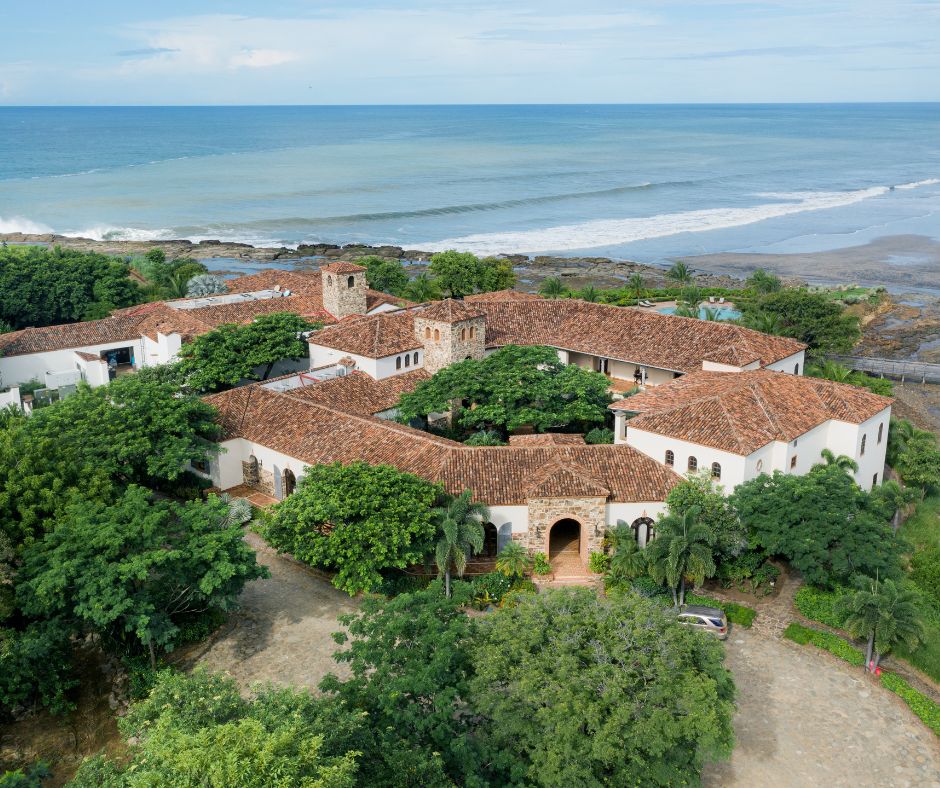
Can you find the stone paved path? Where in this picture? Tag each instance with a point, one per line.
(282, 633)
(807, 719)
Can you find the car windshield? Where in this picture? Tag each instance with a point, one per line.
(717, 622)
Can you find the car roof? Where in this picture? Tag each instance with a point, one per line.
(701, 610)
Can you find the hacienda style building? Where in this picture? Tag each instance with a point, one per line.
(713, 398)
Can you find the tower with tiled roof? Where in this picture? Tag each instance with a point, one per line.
(344, 289)
(450, 331)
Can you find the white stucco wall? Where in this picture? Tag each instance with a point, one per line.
(714, 366)
(386, 367)
(791, 364)
(655, 446)
(10, 398)
(321, 356)
(630, 512)
(15, 370)
(849, 438)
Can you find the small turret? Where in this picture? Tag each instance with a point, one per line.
(344, 289)
(450, 331)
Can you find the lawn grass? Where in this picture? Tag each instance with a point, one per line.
(922, 528)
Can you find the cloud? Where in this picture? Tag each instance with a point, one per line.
(808, 50)
(262, 58)
(145, 52)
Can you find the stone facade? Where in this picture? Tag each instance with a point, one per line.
(344, 293)
(259, 478)
(590, 513)
(447, 343)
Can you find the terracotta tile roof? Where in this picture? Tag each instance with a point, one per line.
(649, 338)
(449, 311)
(742, 411)
(315, 433)
(733, 356)
(502, 295)
(88, 356)
(376, 336)
(70, 335)
(342, 268)
(548, 439)
(359, 393)
(562, 478)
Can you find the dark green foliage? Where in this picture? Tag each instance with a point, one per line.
(462, 273)
(742, 615)
(763, 282)
(811, 318)
(826, 641)
(582, 690)
(513, 387)
(926, 708)
(411, 667)
(231, 353)
(830, 370)
(599, 435)
(749, 571)
(135, 430)
(821, 605)
(919, 463)
(485, 438)
(715, 513)
(358, 519)
(132, 570)
(383, 274)
(647, 587)
(35, 666)
(31, 778)
(42, 287)
(925, 572)
(822, 522)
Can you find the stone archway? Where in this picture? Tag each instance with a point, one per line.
(564, 547)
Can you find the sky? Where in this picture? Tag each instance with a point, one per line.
(468, 51)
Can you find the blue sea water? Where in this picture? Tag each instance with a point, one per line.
(640, 182)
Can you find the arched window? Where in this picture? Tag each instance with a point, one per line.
(881, 432)
(471, 332)
(329, 279)
(463, 333)
(796, 369)
(290, 482)
(643, 531)
(351, 282)
(427, 332)
(864, 439)
(716, 470)
(437, 334)
(415, 361)
(407, 360)
(670, 458)
(398, 363)
(693, 464)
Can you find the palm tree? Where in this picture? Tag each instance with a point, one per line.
(637, 285)
(709, 314)
(590, 294)
(847, 464)
(885, 614)
(177, 285)
(900, 433)
(830, 370)
(680, 274)
(422, 288)
(765, 322)
(681, 551)
(513, 560)
(461, 525)
(552, 287)
(628, 560)
(897, 499)
(762, 282)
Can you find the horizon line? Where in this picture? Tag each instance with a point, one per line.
(492, 104)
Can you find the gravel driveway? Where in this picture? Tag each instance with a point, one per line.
(282, 631)
(806, 719)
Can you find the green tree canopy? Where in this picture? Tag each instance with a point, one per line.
(384, 274)
(42, 287)
(821, 522)
(512, 387)
(230, 353)
(463, 273)
(682, 552)
(919, 463)
(809, 317)
(358, 519)
(138, 429)
(763, 282)
(582, 690)
(715, 513)
(132, 569)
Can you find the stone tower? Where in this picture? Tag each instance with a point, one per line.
(450, 331)
(344, 289)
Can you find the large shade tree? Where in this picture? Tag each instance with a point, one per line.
(586, 690)
(513, 387)
(358, 519)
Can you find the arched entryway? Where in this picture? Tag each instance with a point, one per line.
(564, 547)
(643, 530)
(290, 482)
(490, 541)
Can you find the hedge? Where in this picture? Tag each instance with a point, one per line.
(921, 705)
(819, 605)
(826, 641)
(737, 614)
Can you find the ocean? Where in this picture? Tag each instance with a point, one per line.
(648, 183)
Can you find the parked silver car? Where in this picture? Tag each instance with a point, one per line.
(705, 619)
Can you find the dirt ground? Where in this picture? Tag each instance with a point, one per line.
(282, 632)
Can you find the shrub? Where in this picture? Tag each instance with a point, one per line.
(826, 641)
(141, 677)
(599, 435)
(647, 587)
(600, 563)
(198, 627)
(541, 565)
(33, 777)
(485, 438)
(493, 584)
(395, 582)
(921, 705)
(819, 605)
(925, 572)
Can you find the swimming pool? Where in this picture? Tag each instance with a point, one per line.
(721, 312)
